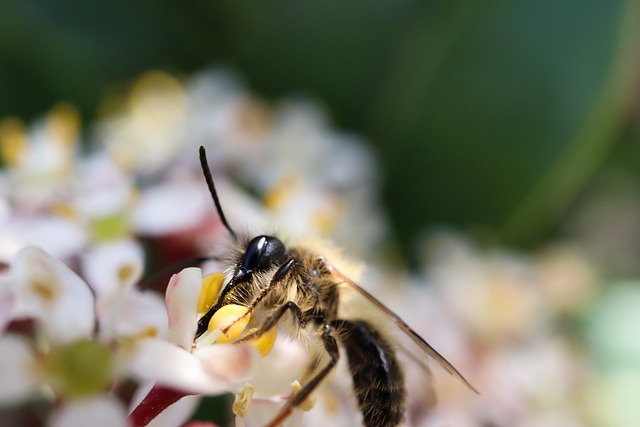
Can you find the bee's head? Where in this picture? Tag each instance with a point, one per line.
(262, 253)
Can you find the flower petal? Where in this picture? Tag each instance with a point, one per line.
(132, 314)
(173, 366)
(228, 362)
(181, 298)
(16, 369)
(113, 266)
(49, 291)
(102, 411)
(171, 208)
(60, 237)
(7, 302)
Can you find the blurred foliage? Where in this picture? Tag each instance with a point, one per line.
(488, 115)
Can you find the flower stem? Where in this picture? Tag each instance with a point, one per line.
(157, 400)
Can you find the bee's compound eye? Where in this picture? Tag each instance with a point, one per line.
(262, 253)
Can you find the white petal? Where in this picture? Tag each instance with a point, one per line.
(17, 369)
(181, 298)
(175, 415)
(129, 314)
(113, 266)
(171, 207)
(57, 297)
(57, 236)
(230, 362)
(173, 366)
(102, 411)
(286, 363)
(102, 187)
(7, 302)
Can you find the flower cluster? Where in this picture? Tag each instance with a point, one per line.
(85, 220)
(82, 219)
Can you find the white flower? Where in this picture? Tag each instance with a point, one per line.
(178, 363)
(40, 160)
(102, 411)
(17, 364)
(112, 270)
(59, 236)
(56, 297)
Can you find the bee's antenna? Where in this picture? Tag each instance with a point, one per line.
(212, 189)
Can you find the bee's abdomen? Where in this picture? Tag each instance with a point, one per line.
(377, 378)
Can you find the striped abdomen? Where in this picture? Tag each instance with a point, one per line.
(377, 378)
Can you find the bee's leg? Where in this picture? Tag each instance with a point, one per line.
(331, 346)
(272, 320)
(278, 277)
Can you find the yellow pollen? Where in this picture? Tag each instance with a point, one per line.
(125, 272)
(230, 321)
(243, 401)
(13, 141)
(211, 285)
(265, 342)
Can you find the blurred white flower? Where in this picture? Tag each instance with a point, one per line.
(48, 291)
(39, 161)
(101, 411)
(179, 363)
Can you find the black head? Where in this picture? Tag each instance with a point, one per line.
(262, 253)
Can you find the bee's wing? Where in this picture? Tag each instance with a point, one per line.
(417, 339)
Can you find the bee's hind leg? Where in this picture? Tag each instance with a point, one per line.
(331, 346)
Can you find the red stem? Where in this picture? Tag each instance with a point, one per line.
(157, 400)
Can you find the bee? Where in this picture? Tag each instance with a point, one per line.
(272, 280)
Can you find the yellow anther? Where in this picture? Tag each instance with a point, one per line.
(243, 401)
(265, 342)
(230, 321)
(278, 195)
(64, 210)
(125, 273)
(309, 402)
(63, 122)
(13, 141)
(211, 284)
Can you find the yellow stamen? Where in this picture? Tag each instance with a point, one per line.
(44, 289)
(309, 402)
(125, 272)
(265, 342)
(64, 210)
(158, 97)
(243, 401)
(230, 321)
(63, 122)
(211, 285)
(324, 222)
(278, 195)
(13, 141)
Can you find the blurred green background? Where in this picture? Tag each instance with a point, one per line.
(497, 117)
